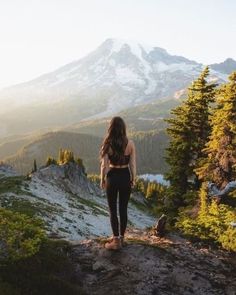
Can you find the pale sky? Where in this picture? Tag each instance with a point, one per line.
(38, 36)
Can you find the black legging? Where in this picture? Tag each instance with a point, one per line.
(118, 181)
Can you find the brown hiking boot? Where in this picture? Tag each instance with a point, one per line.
(122, 242)
(114, 244)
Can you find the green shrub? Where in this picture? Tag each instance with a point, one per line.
(212, 222)
(50, 271)
(20, 235)
(50, 161)
(94, 178)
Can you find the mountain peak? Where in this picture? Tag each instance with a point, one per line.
(136, 47)
(226, 67)
(229, 60)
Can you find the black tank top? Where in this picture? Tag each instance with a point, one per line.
(124, 160)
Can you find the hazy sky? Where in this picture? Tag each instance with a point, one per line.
(37, 36)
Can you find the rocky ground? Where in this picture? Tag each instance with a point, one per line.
(152, 265)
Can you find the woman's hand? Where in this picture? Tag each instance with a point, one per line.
(132, 183)
(102, 184)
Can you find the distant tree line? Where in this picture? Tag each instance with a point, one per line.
(65, 156)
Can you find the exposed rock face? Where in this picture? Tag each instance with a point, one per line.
(148, 265)
(70, 177)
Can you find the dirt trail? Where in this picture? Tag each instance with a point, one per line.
(150, 265)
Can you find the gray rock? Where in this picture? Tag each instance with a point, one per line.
(170, 266)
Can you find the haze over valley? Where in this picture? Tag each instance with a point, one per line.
(137, 82)
(116, 76)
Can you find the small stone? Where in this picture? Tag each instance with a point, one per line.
(97, 266)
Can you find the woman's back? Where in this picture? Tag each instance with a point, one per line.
(129, 158)
(122, 159)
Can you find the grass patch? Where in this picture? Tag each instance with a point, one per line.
(63, 230)
(15, 184)
(68, 220)
(141, 207)
(130, 223)
(12, 184)
(93, 205)
(26, 207)
(20, 205)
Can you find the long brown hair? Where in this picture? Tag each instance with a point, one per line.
(115, 140)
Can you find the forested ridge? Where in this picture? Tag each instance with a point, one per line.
(150, 149)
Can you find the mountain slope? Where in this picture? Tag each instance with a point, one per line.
(146, 117)
(83, 145)
(117, 75)
(119, 72)
(12, 144)
(72, 206)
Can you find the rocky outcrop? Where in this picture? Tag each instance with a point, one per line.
(7, 170)
(70, 177)
(149, 265)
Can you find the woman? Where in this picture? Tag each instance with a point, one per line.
(118, 172)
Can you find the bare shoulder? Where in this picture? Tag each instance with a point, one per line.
(131, 144)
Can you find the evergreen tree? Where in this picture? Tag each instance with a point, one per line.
(189, 129)
(203, 211)
(61, 156)
(201, 94)
(35, 166)
(149, 191)
(220, 163)
(65, 156)
(140, 186)
(68, 156)
(79, 161)
(178, 152)
(50, 161)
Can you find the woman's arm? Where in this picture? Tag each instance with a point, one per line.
(104, 170)
(132, 162)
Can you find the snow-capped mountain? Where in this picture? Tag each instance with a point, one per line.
(117, 75)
